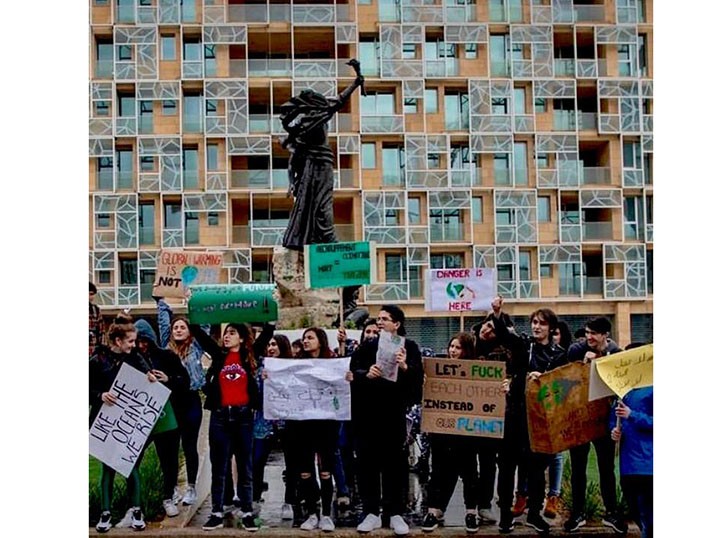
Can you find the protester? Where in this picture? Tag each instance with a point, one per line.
(454, 456)
(174, 335)
(97, 324)
(232, 396)
(634, 435)
(297, 347)
(103, 368)
(596, 344)
(379, 414)
(167, 368)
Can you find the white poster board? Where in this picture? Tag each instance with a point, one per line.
(307, 389)
(460, 290)
(388, 346)
(120, 431)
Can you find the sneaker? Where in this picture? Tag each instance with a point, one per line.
(430, 522)
(506, 525)
(190, 496)
(551, 506)
(311, 523)
(138, 523)
(486, 516)
(521, 503)
(399, 526)
(170, 508)
(287, 512)
(215, 521)
(126, 521)
(574, 523)
(615, 523)
(248, 521)
(370, 523)
(103, 525)
(176, 496)
(538, 523)
(326, 524)
(471, 523)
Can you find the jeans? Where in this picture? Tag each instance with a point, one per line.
(189, 420)
(605, 450)
(639, 495)
(555, 474)
(231, 432)
(344, 472)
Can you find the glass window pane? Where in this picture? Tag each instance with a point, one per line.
(431, 100)
(190, 167)
(169, 107)
(192, 51)
(368, 155)
(477, 207)
(212, 157)
(524, 265)
(169, 51)
(128, 272)
(173, 216)
(414, 211)
(519, 100)
(543, 209)
(520, 157)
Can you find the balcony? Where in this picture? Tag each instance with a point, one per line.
(262, 236)
(260, 123)
(240, 234)
(587, 121)
(237, 68)
(345, 179)
(262, 67)
(564, 120)
(592, 285)
(387, 292)
(321, 14)
(259, 13)
(388, 12)
(459, 14)
(570, 233)
(589, 13)
(447, 233)
(595, 176)
(192, 69)
(124, 179)
(499, 68)
(385, 235)
(591, 68)
(382, 124)
(564, 67)
(251, 179)
(315, 68)
(104, 68)
(445, 67)
(597, 231)
(345, 232)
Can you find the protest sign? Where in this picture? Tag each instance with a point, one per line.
(621, 372)
(460, 290)
(238, 303)
(560, 416)
(120, 431)
(388, 346)
(307, 389)
(338, 265)
(177, 270)
(463, 397)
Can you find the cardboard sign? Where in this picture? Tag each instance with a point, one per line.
(307, 389)
(177, 270)
(120, 431)
(560, 415)
(238, 303)
(622, 372)
(463, 397)
(337, 265)
(460, 290)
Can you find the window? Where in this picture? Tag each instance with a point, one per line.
(369, 55)
(212, 218)
(377, 104)
(169, 107)
(104, 277)
(471, 51)
(433, 161)
(642, 54)
(498, 44)
(543, 161)
(633, 217)
(650, 264)
(410, 106)
(210, 61)
(543, 208)
(105, 58)
(446, 225)
(213, 157)
(172, 216)
(503, 217)
(541, 105)
(430, 98)
(524, 265)
(395, 265)
(414, 210)
(104, 173)
(393, 165)
(477, 208)
(126, 105)
(192, 50)
(457, 111)
(188, 10)
(546, 270)
(211, 107)
(145, 220)
(520, 164)
(125, 168)
(501, 169)
(145, 117)
(128, 272)
(519, 101)
(190, 167)
(192, 113)
(505, 272)
(147, 164)
(624, 60)
(124, 52)
(191, 228)
(446, 261)
(631, 155)
(102, 108)
(439, 49)
(169, 49)
(570, 276)
(103, 220)
(499, 106)
(368, 155)
(409, 51)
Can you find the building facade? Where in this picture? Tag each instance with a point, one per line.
(514, 134)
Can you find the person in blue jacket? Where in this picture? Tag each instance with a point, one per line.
(634, 434)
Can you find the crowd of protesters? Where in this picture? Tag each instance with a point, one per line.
(363, 463)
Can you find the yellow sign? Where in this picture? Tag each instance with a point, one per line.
(627, 370)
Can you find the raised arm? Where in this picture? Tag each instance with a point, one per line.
(164, 317)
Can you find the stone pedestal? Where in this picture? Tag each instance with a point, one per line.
(299, 307)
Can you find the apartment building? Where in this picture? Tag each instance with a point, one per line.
(514, 134)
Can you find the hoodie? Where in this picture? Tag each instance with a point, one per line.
(166, 361)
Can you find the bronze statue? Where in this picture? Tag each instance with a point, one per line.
(305, 118)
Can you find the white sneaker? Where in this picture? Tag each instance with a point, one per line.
(176, 496)
(326, 524)
(170, 508)
(190, 496)
(104, 524)
(287, 512)
(311, 523)
(370, 523)
(126, 521)
(138, 523)
(399, 526)
(486, 516)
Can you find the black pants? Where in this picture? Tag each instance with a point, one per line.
(381, 471)
(605, 450)
(453, 456)
(512, 451)
(167, 445)
(189, 418)
(638, 492)
(318, 438)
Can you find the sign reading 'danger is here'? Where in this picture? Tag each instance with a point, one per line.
(460, 290)
(177, 270)
(120, 431)
(463, 397)
(337, 265)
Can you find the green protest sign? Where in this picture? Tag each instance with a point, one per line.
(337, 265)
(224, 303)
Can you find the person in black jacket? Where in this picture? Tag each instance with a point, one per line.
(596, 344)
(379, 414)
(104, 365)
(232, 396)
(167, 368)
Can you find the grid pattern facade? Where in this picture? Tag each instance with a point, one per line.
(514, 134)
